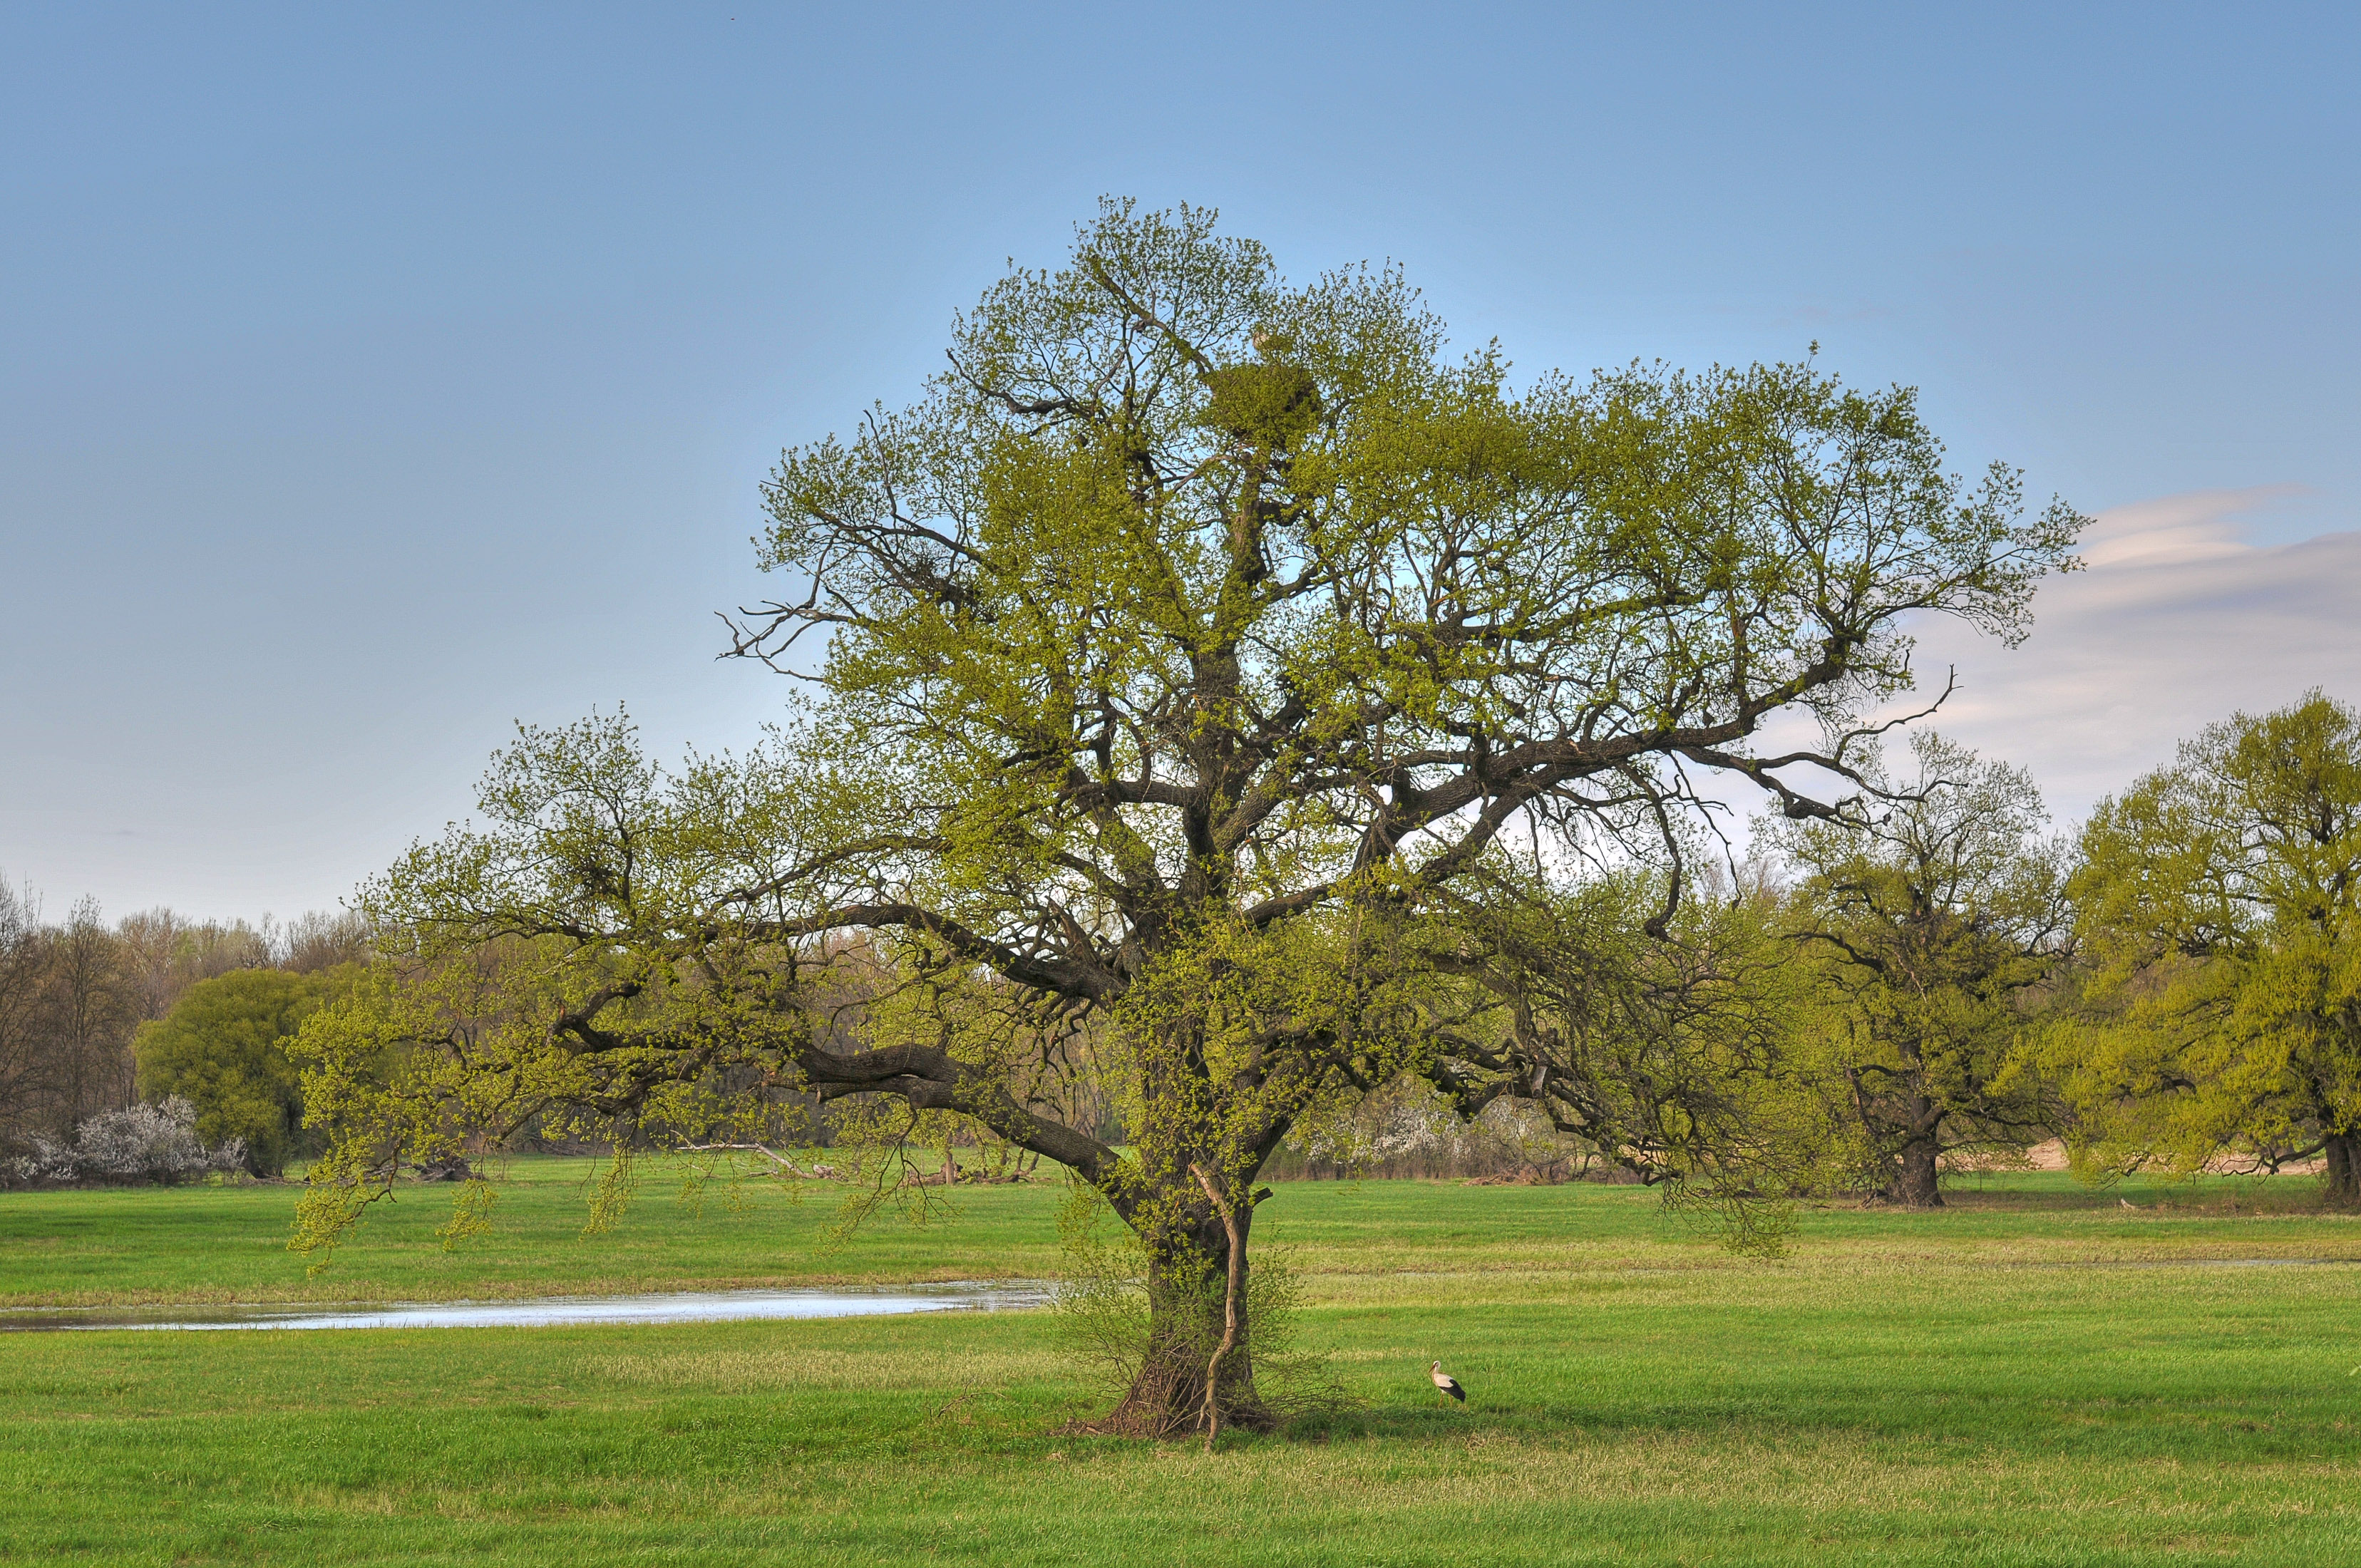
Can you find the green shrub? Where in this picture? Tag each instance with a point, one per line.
(221, 1048)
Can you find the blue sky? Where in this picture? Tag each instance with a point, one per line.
(372, 378)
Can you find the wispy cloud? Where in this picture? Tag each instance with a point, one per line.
(2177, 622)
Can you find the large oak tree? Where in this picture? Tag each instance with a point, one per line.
(1171, 668)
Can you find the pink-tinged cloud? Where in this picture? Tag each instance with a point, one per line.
(2176, 622)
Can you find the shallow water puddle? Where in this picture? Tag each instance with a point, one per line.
(677, 1307)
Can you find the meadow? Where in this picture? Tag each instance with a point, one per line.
(2034, 1375)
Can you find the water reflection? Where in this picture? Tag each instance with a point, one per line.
(677, 1307)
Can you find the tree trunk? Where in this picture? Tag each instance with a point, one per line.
(1186, 1292)
(1914, 1181)
(2344, 1176)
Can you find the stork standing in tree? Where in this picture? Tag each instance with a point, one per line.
(1446, 1384)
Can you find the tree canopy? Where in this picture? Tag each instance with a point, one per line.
(223, 1049)
(1182, 676)
(2222, 901)
(1936, 921)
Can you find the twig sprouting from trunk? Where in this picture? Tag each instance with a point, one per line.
(1229, 1304)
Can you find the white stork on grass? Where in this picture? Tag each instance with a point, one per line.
(1445, 1385)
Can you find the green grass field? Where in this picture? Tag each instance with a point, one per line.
(2034, 1376)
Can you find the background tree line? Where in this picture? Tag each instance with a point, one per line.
(2173, 988)
(98, 1018)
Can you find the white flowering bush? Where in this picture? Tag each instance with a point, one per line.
(146, 1143)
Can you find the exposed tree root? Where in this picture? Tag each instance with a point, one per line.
(1173, 1405)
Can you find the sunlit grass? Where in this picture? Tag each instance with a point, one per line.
(214, 1245)
(2036, 1375)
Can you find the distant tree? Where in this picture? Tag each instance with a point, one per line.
(152, 940)
(28, 1068)
(2221, 899)
(1178, 653)
(166, 953)
(319, 940)
(1935, 924)
(88, 1007)
(222, 1047)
